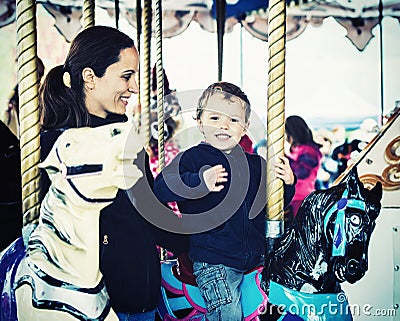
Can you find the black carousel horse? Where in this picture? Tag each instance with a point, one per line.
(327, 244)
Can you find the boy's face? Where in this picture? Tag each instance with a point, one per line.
(223, 122)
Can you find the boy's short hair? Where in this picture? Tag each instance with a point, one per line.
(229, 91)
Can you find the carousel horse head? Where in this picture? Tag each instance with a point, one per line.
(328, 241)
(326, 245)
(348, 225)
(94, 162)
(57, 276)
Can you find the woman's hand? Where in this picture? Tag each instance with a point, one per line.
(284, 171)
(214, 176)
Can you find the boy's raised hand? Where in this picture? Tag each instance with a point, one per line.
(214, 176)
(284, 171)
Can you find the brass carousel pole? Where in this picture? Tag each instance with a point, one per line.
(160, 97)
(28, 113)
(88, 13)
(146, 68)
(275, 116)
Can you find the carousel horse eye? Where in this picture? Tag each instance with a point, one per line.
(355, 220)
(67, 145)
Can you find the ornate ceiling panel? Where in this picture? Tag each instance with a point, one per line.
(358, 17)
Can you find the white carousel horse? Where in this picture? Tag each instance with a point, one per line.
(57, 276)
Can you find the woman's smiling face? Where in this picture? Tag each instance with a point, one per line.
(110, 93)
(222, 122)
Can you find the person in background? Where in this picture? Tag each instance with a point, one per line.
(246, 144)
(92, 89)
(172, 111)
(368, 129)
(328, 171)
(10, 169)
(202, 178)
(10, 187)
(11, 115)
(304, 157)
(342, 153)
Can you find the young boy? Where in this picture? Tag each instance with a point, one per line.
(219, 181)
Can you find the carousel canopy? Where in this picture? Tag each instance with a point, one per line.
(358, 17)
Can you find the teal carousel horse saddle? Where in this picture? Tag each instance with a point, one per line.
(182, 300)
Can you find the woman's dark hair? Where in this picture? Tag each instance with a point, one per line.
(96, 47)
(297, 128)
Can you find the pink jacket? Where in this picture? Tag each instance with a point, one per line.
(305, 160)
(170, 151)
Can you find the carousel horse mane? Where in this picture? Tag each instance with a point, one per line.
(327, 244)
(57, 276)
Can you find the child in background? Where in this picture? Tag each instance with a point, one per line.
(218, 177)
(172, 110)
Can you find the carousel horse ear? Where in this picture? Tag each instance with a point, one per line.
(375, 196)
(377, 191)
(358, 191)
(355, 187)
(52, 164)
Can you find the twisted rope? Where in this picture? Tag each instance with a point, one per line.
(275, 113)
(160, 87)
(160, 98)
(145, 95)
(136, 119)
(88, 13)
(29, 112)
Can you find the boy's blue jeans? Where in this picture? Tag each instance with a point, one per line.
(144, 316)
(219, 286)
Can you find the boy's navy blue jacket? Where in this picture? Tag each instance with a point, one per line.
(232, 231)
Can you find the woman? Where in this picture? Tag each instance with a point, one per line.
(92, 88)
(304, 156)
